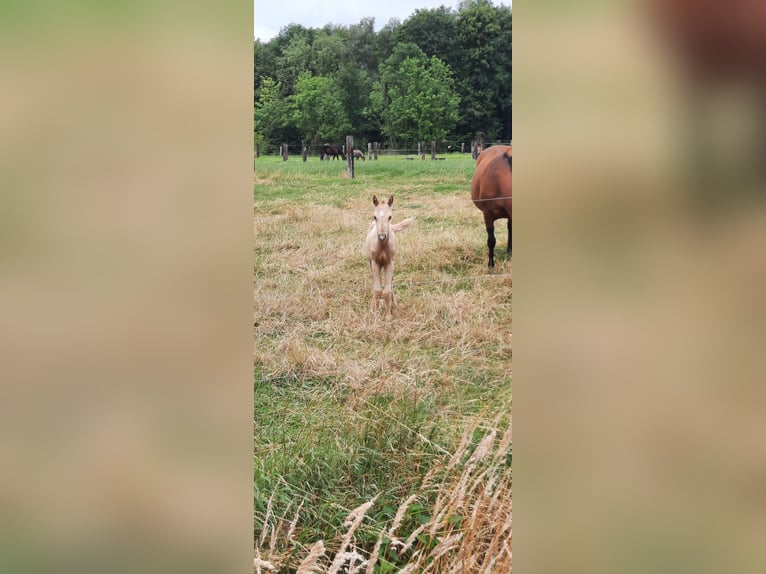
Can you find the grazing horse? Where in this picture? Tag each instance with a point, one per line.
(491, 191)
(331, 150)
(380, 248)
(359, 154)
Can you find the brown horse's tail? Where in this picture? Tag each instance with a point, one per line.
(402, 225)
(509, 158)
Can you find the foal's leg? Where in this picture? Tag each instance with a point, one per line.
(388, 290)
(490, 224)
(510, 236)
(377, 290)
(390, 283)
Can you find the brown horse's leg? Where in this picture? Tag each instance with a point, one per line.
(490, 224)
(510, 236)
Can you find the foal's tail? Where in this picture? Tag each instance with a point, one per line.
(402, 225)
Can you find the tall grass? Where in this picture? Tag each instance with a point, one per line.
(350, 410)
(458, 520)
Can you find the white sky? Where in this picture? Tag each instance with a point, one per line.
(270, 16)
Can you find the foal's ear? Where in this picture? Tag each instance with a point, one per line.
(375, 200)
(391, 200)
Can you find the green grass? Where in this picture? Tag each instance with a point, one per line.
(325, 181)
(347, 407)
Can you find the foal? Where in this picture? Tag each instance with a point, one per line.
(380, 248)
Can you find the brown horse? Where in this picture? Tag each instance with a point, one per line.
(359, 154)
(491, 191)
(328, 150)
(380, 248)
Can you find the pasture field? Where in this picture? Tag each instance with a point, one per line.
(382, 446)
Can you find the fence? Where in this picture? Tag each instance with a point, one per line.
(423, 150)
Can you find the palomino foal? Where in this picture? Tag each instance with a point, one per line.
(380, 248)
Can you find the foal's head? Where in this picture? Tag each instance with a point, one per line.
(382, 217)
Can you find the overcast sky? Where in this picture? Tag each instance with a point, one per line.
(271, 15)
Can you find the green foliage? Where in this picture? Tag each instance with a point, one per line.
(355, 86)
(316, 108)
(264, 64)
(385, 39)
(294, 61)
(269, 115)
(379, 94)
(434, 32)
(484, 34)
(327, 53)
(415, 96)
(361, 45)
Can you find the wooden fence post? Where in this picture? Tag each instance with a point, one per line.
(369, 150)
(375, 151)
(474, 155)
(350, 155)
(257, 150)
(305, 150)
(284, 152)
(433, 150)
(462, 147)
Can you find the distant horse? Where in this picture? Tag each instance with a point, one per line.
(380, 248)
(359, 154)
(491, 191)
(328, 150)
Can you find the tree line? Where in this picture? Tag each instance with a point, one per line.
(441, 74)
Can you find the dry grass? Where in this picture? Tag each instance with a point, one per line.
(351, 410)
(313, 290)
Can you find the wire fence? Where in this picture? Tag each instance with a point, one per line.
(448, 147)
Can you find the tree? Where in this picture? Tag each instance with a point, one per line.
(378, 90)
(328, 51)
(264, 64)
(504, 51)
(355, 85)
(434, 32)
(269, 113)
(484, 35)
(316, 109)
(292, 49)
(385, 40)
(361, 45)
(415, 96)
